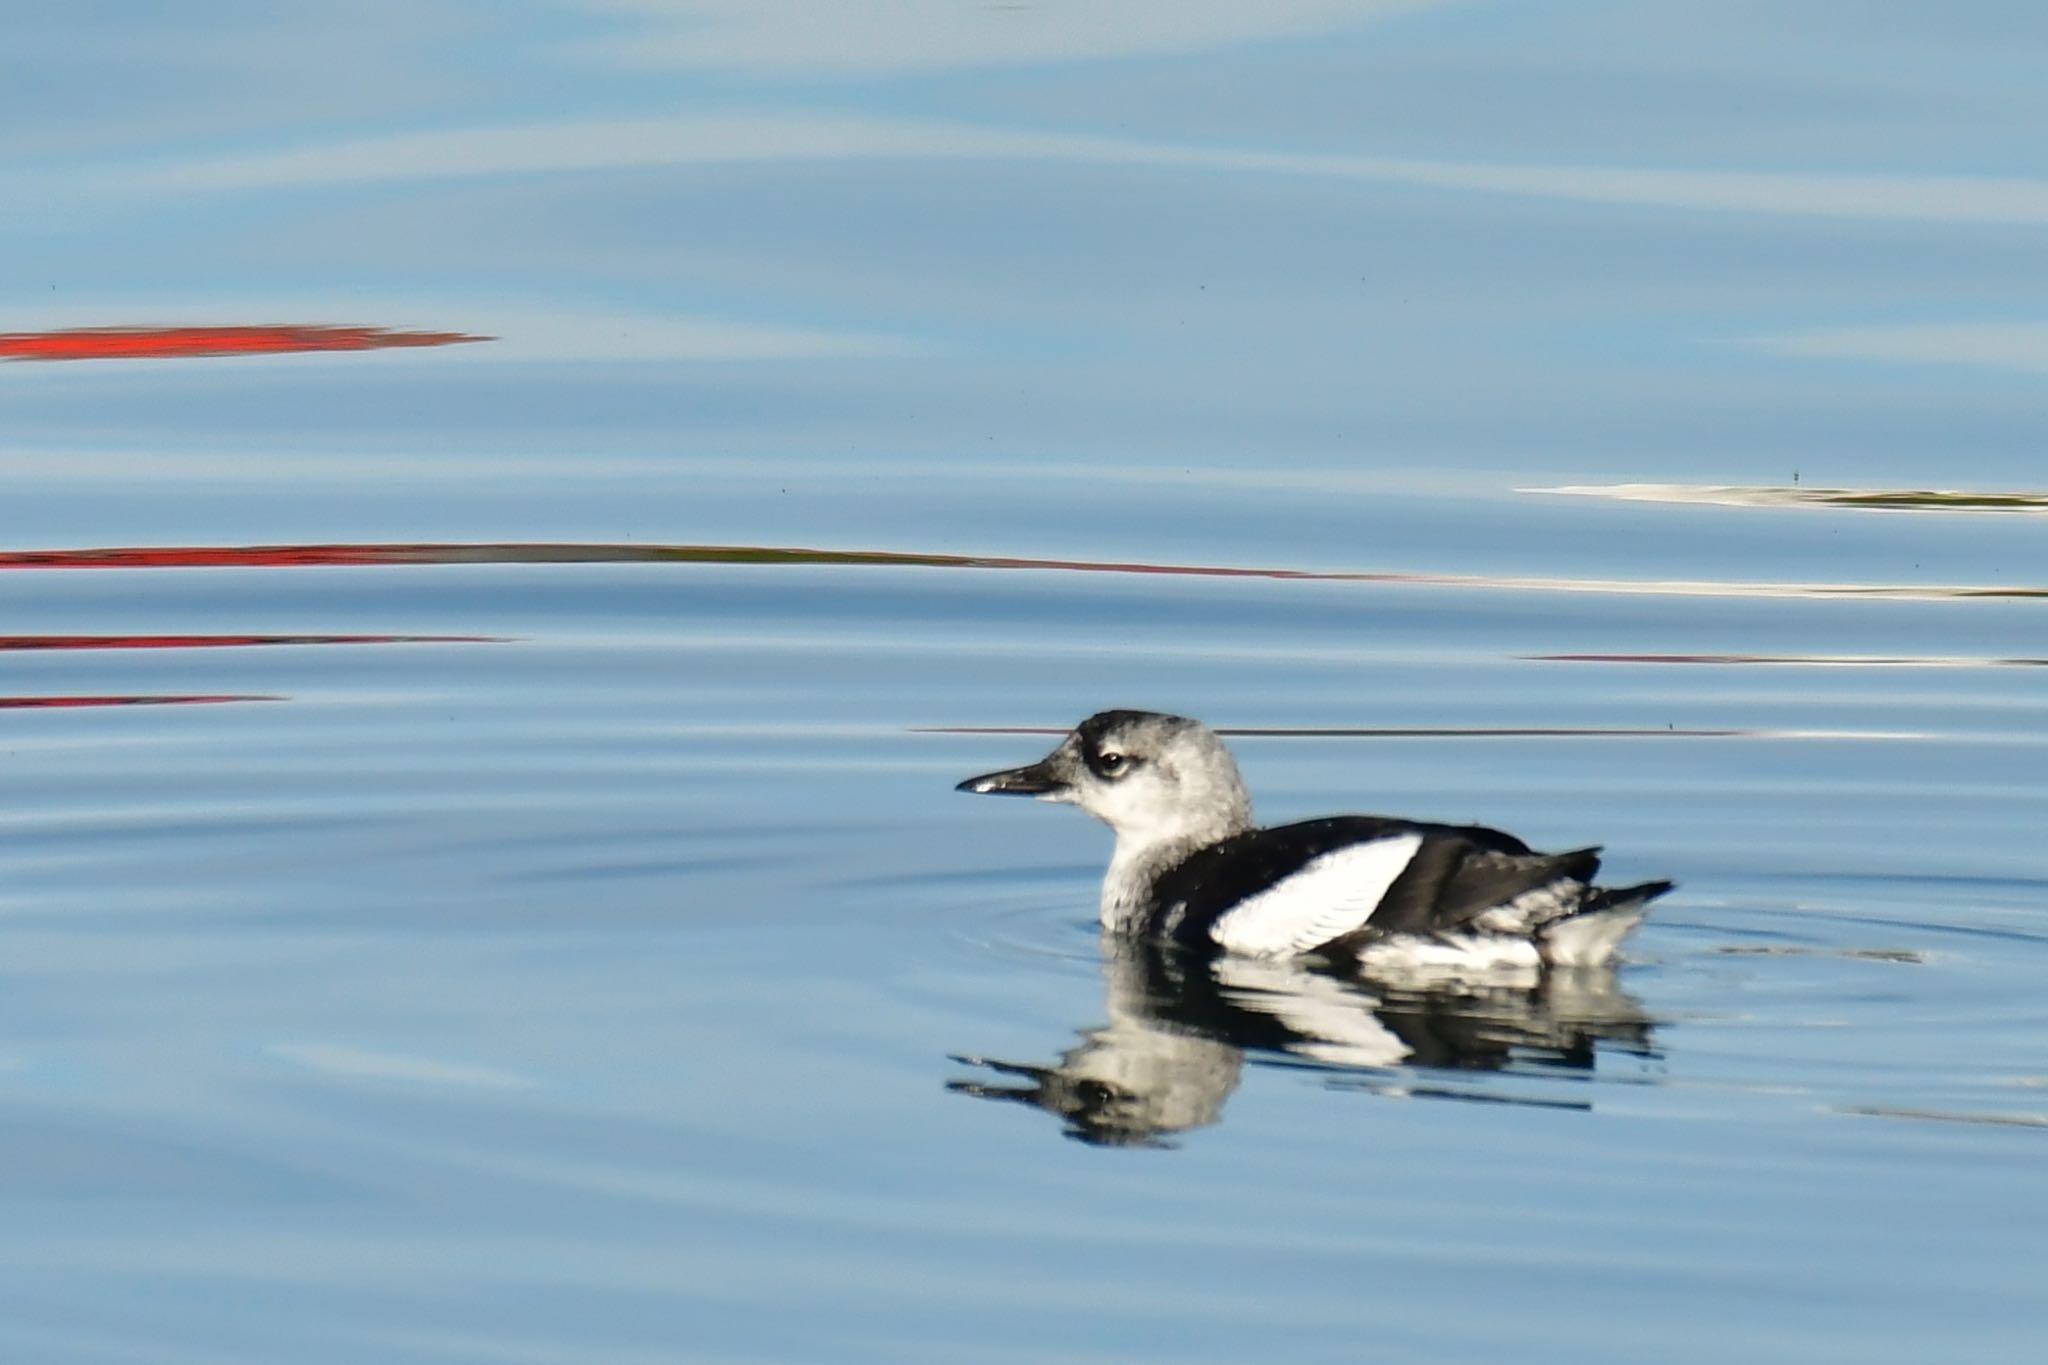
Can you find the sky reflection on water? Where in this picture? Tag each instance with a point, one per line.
(587, 997)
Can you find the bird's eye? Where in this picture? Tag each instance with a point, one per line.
(1112, 764)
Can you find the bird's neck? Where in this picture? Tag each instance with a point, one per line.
(1143, 856)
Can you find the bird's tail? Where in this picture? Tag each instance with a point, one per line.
(1589, 935)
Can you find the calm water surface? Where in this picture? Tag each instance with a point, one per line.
(480, 877)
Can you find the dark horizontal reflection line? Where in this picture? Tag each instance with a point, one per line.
(8, 642)
(1390, 732)
(1812, 660)
(345, 555)
(1877, 499)
(197, 699)
(1880, 1111)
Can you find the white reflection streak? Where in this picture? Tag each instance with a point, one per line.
(1953, 500)
(338, 1059)
(617, 144)
(929, 34)
(2006, 346)
(550, 334)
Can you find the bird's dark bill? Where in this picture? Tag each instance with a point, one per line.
(1035, 779)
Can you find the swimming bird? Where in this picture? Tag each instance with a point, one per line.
(1366, 892)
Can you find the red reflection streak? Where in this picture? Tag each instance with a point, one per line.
(117, 343)
(256, 556)
(21, 703)
(223, 641)
(201, 557)
(542, 552)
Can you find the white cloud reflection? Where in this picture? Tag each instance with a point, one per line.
(710, 140)
(938, 34)
(341, 1060)
(2004, 346)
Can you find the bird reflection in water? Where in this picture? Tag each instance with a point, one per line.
(1180, 1027)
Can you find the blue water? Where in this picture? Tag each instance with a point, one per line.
(470, 951)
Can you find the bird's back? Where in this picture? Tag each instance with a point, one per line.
(1292, 888)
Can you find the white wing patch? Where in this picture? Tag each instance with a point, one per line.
(1328, 896)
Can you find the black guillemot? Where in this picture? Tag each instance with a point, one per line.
(1361, 891)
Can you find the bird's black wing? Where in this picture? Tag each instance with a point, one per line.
(1452, 881)
(1452, 866)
